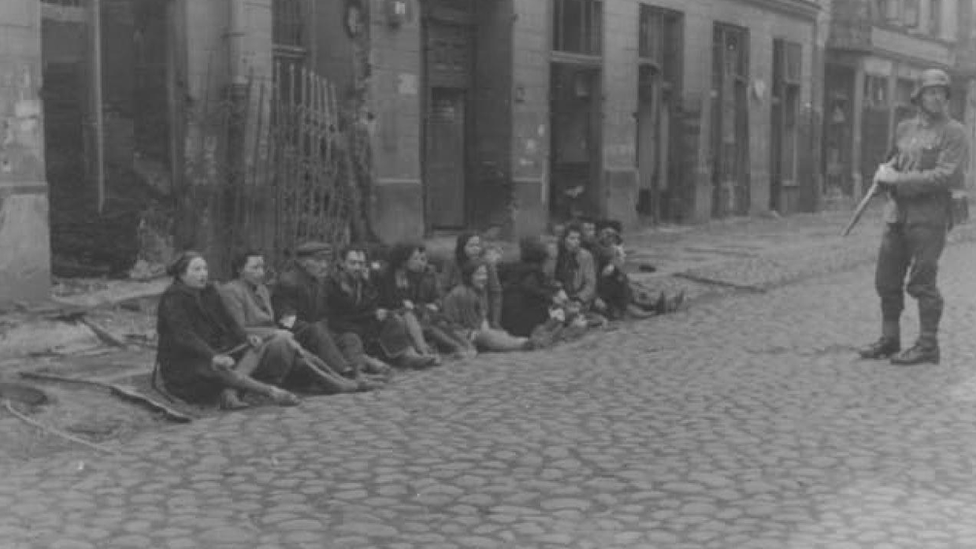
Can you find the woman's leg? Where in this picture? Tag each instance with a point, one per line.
(416, 332)
(499, 340)
(240, 377)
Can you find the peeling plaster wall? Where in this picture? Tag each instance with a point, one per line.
(24, 233)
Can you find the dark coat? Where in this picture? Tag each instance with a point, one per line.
(421, 288)
(299, 293)
(527, 296)
(193, 326)
(352, 308)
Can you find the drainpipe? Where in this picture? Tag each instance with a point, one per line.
(98, 115)
(235, 42)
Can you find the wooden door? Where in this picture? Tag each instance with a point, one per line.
(730, 126)
(445, 158)
(449, 41)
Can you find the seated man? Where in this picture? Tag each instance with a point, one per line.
(353, 303)
(615, 288)
(249, 303)
(576, 274)
(298, 302)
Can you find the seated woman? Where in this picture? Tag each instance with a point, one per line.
(249, 303)
(410, 283)
(467, 248)
(467, 306)
(353, 305)
(529, 293)
(203, 355)
(576, 273)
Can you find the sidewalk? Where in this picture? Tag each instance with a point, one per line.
(705, 261)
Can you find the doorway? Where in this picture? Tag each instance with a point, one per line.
(730, 121)
(111, 140)
(660, 195)
(784, 127)
(449, 42)
(575, 141)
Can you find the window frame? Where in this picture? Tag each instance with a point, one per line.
(589, 33)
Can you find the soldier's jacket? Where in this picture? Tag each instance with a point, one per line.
(931, 157)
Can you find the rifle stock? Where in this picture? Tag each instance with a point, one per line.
(861, 207)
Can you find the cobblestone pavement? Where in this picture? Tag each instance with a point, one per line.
(740, 423)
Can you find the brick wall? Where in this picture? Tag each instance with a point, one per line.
(24, 230)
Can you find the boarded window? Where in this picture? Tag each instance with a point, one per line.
(578, 26)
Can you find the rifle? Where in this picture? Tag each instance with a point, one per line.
(875, 184)
(861, 207)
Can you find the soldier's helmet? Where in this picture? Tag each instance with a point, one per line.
(931, 78)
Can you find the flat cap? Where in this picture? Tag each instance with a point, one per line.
(313, 248)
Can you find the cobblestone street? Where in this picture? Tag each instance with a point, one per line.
(743, 422)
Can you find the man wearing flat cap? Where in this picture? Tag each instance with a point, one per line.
(298, 300)
(928, 161)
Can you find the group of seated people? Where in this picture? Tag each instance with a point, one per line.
(325, 328)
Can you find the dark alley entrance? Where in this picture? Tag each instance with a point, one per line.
(108, 94)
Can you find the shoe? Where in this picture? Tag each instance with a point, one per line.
(882, 348)
(675, 304)
(417, 361)
(916, 355)
(661, 305)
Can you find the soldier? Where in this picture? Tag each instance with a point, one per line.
(929, 159)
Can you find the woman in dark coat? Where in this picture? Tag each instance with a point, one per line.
(203, 355)
(468, 248)
(529, 293)
(410, 283)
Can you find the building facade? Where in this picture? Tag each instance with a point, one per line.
(876, 50)
(24, 233)
(514, 114)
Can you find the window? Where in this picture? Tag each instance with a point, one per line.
(903, 99)
(288, 23)
(577, 26)
(876, 91)
(910, 13)
(935, 17)
(660, 40)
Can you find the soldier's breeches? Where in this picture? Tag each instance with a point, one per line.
(911, 250)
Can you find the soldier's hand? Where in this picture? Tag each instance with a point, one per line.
(885, 174)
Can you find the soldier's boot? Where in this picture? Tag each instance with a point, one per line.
(917, 354)
(926, 348)
(889, 344)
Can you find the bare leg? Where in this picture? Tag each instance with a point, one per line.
(416, 333)
(499, 340)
